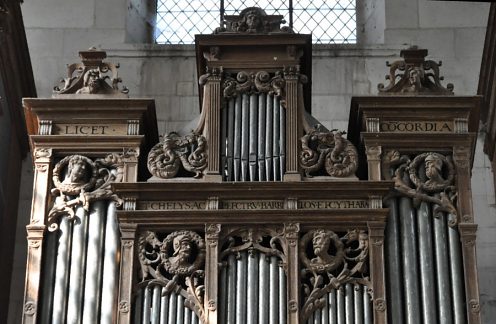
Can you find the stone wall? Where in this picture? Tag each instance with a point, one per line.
(452, 32)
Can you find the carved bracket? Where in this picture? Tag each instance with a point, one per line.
(84, 181)
(329, 150)
(251, 82)
(189, 152)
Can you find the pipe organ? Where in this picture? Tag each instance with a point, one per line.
(260, 214)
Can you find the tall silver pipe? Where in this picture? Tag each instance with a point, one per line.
(358, 308)
(268, 137)
(340, 305)
(172, 309)
(245, 133)
(223, 142)
(252, 289)
(78, 266)
(164, 307)
(442, 269)
(427, 282)
(263, 289)
(275, 139)
(282, 295)
(156, 303)
(94, 260)
(456, 268)
(230, 140)
(147, 305)
(252, 156)
(62, 271)
(261, 136)
(317, 317)
(349, 303)
(194, 319)
(325, 310)
(311, 319)
(110, 263)
(187, 315)
(332, 307)
(231, 290)
(241, 287)
(410, 266)
(367, 310)
(48, 272)
(393, 263)
(273, 291)
(282, 139)
(180, 309)
(223, 294)
(237, 138)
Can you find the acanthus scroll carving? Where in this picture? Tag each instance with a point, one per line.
(329, 261)
(253, 20)
(78, 181)
(419, 76)
(330, 150)
(251, 82)
(189, 152)
(176, 263)
(428, 177)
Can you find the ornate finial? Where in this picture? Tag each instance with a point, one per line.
(89, 76)
(419, 76)
(253, 20)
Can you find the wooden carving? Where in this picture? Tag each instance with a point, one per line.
(175, 153)
(428, 177)
(330, 151)
(84, 181)
(333, 261)
(250, 82)
(89, 77)
(419, 76)
(253, 20)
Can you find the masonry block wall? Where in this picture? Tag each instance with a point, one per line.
(452, 32)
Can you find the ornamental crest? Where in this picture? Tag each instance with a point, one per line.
(253, 20)
(328, 153)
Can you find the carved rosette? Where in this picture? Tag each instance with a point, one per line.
(429, 177)
(253, 20)
(175, 263)
(329, 151)
(175, 153)
(251, 82)
(414, 75)
(89, 76)
(329, 261)
(79, 180)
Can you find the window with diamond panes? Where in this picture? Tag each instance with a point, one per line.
(330, 22)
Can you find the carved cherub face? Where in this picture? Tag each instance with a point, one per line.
(252, 20)
(76, 171)
(91, 80)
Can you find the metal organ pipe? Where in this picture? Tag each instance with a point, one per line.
(237, 138)
(262, 100)
(456, 273)
(245, 111)
(230, 140)
(263, 289)
(241, 288)
(252, 287)
(268, 137)
(253, 136)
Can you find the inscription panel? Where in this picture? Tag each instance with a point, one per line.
(402, 126)
(307, 204)
(90, 129)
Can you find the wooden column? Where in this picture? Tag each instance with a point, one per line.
(212, 96)
(36, 231)
(291, 232)
(374, 162)
(128, 237)
(293, 122)
(467, 228)
(377, 271)
(212, 273)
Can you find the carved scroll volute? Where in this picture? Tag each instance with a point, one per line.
(377, 271)
(212, 99)
(293, 103)
(374, 162)
(291, 233)
(128, 237)
(35, 231)
(212, 269)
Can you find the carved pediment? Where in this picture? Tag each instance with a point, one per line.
(253, 20)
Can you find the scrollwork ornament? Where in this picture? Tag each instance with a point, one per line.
(30, 308)
(251, 82)
(252, 20)
(474, 306)
(293, 306)
(167, 157)
(329, 150)
(124, 307)
(181, 243)
(380, 304)
(42, 153)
